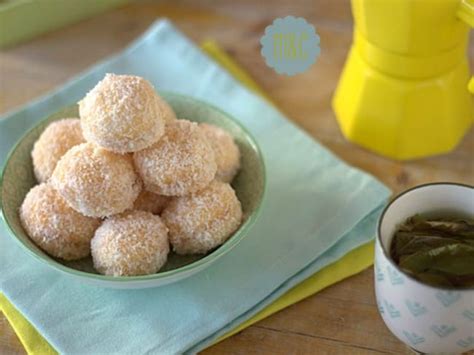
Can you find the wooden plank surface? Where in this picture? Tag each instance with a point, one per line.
(340, 319)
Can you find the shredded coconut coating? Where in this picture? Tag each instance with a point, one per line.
(96, 182)
(133, 243)
(54, 142)
(151, 202)
(180, 163)
(122, 113)
(225, 150)
(168, 113)
(202, 221)
(54, 226)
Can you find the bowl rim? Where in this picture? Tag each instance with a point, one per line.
(214, 255)
(388, 257)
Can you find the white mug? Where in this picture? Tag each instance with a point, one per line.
(428, 319)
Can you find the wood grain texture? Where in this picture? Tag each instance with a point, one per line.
(340, 319)
(9, 342)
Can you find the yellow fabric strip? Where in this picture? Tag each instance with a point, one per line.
(351, 264)
(33, 342)
(221, 57)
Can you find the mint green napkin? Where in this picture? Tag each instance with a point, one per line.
(317, 209)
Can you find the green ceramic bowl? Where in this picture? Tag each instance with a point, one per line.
(18, 178)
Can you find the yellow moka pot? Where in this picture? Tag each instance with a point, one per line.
(404, 90)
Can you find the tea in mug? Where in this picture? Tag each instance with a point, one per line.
(436, 251)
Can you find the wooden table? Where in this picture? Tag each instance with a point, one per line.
(341, 319)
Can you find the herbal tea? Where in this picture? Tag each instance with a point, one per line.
(436, 251)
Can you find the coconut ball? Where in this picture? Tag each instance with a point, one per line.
(151, 202)
(168, 113)
(122, 113)
(54, 226)
(54, 142)
(225, 150)
(202, 221)
(180, 163)
(133, 243)
(96, 182)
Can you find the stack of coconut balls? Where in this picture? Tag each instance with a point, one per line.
(128, 179)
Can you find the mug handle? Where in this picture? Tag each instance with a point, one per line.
(466, 14)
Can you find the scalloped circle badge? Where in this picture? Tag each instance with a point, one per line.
(290, 45)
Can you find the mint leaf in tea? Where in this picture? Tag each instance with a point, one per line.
(436, 251)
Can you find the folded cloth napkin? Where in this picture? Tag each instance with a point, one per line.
(33, 342)
(317, 209)
(350, 264)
